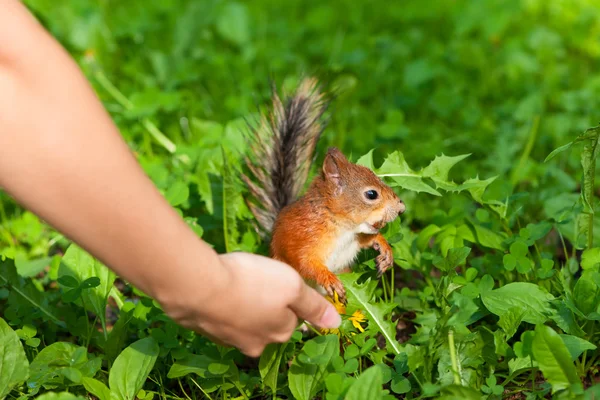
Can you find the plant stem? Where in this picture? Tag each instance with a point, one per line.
(202, 390)
(455, 365)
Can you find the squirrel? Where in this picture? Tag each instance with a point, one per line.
(321, 232)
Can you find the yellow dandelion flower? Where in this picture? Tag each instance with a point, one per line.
(356, 320)
(341, 309)
(332, 331)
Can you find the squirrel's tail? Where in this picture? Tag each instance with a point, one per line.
(281, 151)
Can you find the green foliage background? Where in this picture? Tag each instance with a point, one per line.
(504, 81)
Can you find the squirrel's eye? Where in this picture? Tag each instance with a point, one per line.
(371, 194)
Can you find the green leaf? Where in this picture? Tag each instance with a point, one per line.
(520, 364)
(400, 384)
(510, 321)
(269, 364)
(528, 297)
(586, 294)
(30, 268)
(25, 289)
(118, 335)
(14, 366)
(488, 238)
(351, 352)
(97, 388)
(519, 249)
(509, 261)
(576, 345)
(68, 281)
(57, 361)
(454, 392)
(558, 150)
(439, 168)
(368, 386)
(397, 170)
(554, 359)
(230, 191)
(177, 193)
(89, 283)
(360, 296)
(590, 258)
(201, 366)
(132, 367)
(456, 256)
(306, 379)
(232, 23)
(78, 263)
(72, 374)
(59, 396)
(191, 364)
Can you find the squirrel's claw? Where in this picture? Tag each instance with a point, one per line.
(384, 261)
(337, 288)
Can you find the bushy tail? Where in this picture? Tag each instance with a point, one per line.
(281, 151)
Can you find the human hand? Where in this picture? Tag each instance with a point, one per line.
(259, 302)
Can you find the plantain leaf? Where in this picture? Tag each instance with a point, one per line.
(14, 366)
(269, 363)
(368, 386)
(554, 359)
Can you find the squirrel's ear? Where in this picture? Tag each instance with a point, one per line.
(331, 169)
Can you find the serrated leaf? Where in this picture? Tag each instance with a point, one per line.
(14, 366)
(367, 160)
(554, 359)
(361, 296)
(440, 167)
(397, 170)
(132, 367)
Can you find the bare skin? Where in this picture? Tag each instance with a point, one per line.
(62, 157)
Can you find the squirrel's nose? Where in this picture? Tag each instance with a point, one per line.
(401, 207)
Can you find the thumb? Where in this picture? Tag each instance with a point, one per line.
(314, 308)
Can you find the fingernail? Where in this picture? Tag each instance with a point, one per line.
(331, 318)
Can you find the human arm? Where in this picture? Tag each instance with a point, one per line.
(62, 157)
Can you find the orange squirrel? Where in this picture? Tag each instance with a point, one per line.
(320, 233)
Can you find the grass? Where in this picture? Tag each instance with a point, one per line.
(458, 105)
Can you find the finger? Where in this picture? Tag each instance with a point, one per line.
(314, 308)
(289, 324)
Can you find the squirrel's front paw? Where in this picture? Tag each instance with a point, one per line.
(385, 259)
(336, 287)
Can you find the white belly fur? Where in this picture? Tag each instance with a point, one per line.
(344, 252)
